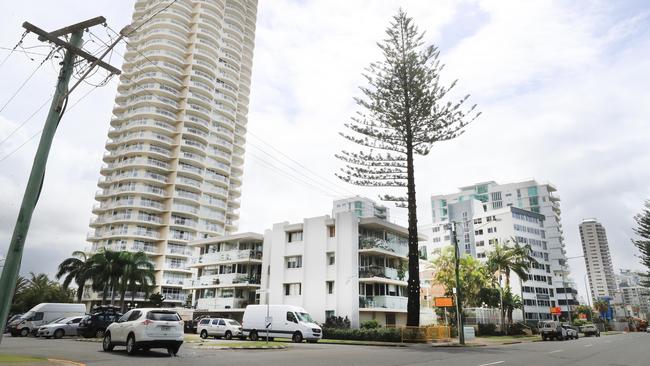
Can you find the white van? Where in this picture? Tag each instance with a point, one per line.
(42, 314)
(286, 321)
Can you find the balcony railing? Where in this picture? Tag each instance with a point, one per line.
(370, 242)
(383, 272)
(221, 303)
(228, 256)
(225, 279)
(386, 302)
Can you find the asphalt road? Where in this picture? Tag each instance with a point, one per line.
(615, 350)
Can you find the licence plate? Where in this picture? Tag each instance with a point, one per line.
(165, 328)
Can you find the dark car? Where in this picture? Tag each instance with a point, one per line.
(10, 319)
(100, 318)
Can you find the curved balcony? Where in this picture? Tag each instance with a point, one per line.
(212, 189)
(147, 234)
(216, 178)
(188, 182)
(153, 124)
(185, 209)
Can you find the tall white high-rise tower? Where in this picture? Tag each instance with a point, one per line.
(175, 154)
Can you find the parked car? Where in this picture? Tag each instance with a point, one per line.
(60, 327)
(286, 321)
(590, 330)
(10, 319)
(145, 329)
(571, 332)
(551, 329)
(95, 324)
(42, 314)
(220, 327)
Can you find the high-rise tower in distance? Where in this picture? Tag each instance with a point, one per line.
(598, 260)
(175, 149)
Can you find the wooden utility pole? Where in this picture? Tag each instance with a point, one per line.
(36, 177)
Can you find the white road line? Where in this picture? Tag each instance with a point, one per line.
(491, 363)
(556, 351)
(588, 345)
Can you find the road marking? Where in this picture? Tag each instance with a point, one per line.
(556, 351)
(491, 363)
(588, 345)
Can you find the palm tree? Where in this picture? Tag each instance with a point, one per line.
(106, 268)
(138, 273)
(75, 268)
(510, 303)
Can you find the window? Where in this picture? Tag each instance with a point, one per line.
(478, 221)
(436, 229)
(478, 232)
(134, 315)
(38, 315)
(329, 314)
(480, 255)
(331, 231)
(492, 230)
(390, 319)
(294, 236)
(331, 258)
(215, 322)
(294, 262)
(291, 317)
(292, 289)
(165, 315)
(480, 243)
(222, 322)
(496, 196)
(330, 287)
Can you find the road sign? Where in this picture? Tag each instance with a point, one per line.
(444, 302)
(268, 321)
(556, 310)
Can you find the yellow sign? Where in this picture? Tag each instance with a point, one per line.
(444, 302)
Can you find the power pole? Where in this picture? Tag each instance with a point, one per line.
(459, 295)
(37, 175)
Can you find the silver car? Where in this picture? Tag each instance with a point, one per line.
(60, 327)
(219, 327)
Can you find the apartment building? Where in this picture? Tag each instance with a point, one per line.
(175, 151)
(634, 296)
(598, 260)
(228, 272)
(343, 266)
(362, 207)
(527, 195)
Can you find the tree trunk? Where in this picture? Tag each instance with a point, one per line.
(80, 291)
(112, 294)
(104, 294)
(413, 305)
(122, 295)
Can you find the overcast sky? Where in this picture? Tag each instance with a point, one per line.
(563, 88)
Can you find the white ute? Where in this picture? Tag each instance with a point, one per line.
(286, 321)
(145, 329)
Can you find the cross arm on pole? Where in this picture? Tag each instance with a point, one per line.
(76, 50)
(75, 27)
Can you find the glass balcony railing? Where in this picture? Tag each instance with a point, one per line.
(383, 272)
(229, 255)
(224, 279)
(386, 302)
(370, 242)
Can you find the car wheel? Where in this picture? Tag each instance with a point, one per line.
(254, 337)
(204, 334)
(130, 345)
(99, 333)
(59, 333)
(107, 346)
(242, 338)
(24, 332)
(48, 337)
(297, 337)
(312, 341)
(228, 335)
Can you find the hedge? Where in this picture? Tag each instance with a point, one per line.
(377, 334)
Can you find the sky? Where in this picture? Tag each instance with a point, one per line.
(562, 87)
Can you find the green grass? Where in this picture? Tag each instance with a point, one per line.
(4, 358)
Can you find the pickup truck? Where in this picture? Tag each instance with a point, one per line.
(550, 329)
(590, 330)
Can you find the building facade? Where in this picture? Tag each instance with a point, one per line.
(528, 196)
(598, 260)
(634, 297)
(228, 272)
(174, 160)
(362, 207)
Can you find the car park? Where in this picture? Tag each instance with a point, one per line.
(100, 318)
(60, 328)
(590, 330)
(219, 327)
(571, 332)
(41, 314)
(551, 329)
(145, 329)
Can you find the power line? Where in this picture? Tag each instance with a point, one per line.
(13, 49)
(26, 120)
(25, 82)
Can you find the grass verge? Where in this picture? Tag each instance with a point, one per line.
(4, 358)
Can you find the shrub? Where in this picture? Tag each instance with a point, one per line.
(337, 322)
(370, 324)
(377, 334)
(487, 329)
(579, 322)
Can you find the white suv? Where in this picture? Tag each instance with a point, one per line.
(145, 329)
(219, 327)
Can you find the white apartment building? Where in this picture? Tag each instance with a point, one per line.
(526, 195)
(634, 296)
(341, 266)
(362, 207)
(228, 272)
(175, 150)
(479, 230)
(600, 270)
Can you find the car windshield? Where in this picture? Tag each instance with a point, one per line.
(305, 317)
(163, 316)
(28, 315)
(234, 322)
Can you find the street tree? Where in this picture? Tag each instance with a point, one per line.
(643, 243)
(137, 274)
(406, 112)
(75, 268)
(474, 276)
(106, 267)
